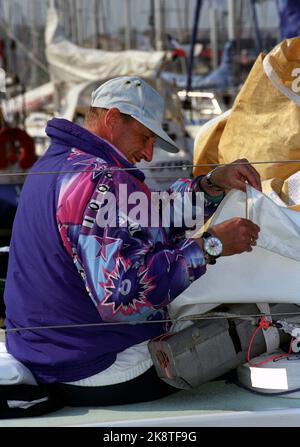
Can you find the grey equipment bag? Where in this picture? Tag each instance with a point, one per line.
(210, 348)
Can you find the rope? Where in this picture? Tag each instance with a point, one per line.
(169, 320)
(182, 167)
(160, 353)
(265, 324)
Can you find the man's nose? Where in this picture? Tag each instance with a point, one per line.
(148, 150)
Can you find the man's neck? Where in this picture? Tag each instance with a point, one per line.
(100, 135)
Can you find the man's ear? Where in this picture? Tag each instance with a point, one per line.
(112, 118)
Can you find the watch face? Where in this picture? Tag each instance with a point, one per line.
(213, 246)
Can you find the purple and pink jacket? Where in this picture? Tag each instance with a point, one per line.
(65, 270)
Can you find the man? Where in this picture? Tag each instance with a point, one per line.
(80, 285)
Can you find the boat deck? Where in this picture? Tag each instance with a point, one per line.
(214, 404)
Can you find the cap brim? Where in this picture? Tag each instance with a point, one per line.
(163, 141)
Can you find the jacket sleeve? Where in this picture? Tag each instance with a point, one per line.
(208, 206)
(130, 271)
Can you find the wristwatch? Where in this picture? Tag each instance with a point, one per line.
(212, 247)
(210, 183)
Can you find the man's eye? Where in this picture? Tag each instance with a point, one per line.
(151, 137)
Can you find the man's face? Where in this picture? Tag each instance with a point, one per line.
(134, 140)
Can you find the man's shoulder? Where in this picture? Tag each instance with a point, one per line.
(76, 155)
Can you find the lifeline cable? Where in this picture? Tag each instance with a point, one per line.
(113, 168)
(169, 320)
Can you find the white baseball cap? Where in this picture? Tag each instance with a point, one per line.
(134, 97)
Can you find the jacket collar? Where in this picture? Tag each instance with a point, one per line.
(64, 132)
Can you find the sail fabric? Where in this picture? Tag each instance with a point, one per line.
(264, 123)
(270, 273)
(206, 143)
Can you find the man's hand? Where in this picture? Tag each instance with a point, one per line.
(234, 176)
(237, 235)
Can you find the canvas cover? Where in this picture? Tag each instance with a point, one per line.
(70, 63)
(270, 273)
(264, 123)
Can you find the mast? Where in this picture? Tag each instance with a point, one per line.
(232, 7)
(186, 18)
(34, 42)
(179, 19)
(163, 22)
(128, 25)
(159, 11)
(231, 20)
(79, 21)
(187, 102)
(258, 40)
(152, 23)
(213, 37)
(60, 11)
(11, 43)
(96, 23)
(74, 30)
(66, 18)
(106, 19)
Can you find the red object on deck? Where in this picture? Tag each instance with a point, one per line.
(16, 146)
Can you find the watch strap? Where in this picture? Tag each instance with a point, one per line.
(208, 258)
(210, 183)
